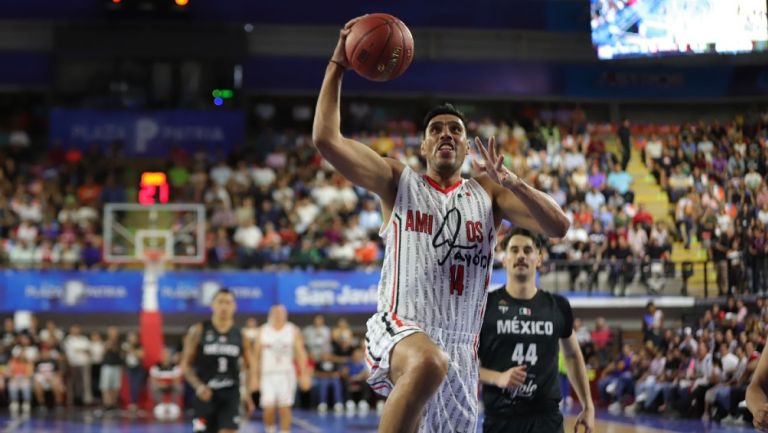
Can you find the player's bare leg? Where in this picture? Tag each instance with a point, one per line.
(285, 418)
(269, 419)
(417, 368)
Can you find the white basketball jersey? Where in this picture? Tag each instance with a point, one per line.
(277, 348)
(439, 254)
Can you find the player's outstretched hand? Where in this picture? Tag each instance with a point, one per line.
(586, 419)
(512, 378)
(340, 53)
(493, 164)
(761, 418)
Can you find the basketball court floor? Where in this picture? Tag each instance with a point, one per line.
(312, 422)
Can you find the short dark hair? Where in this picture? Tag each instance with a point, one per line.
(445, 108)
(223, 291)
(538, 241)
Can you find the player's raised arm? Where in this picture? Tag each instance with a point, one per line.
(354, 160)
(516, 201)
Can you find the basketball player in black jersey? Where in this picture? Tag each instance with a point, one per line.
(211, 364)
(523, 329)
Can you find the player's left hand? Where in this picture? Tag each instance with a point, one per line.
(586, 419)
(493, 164)
(250, 406)
(305, 382)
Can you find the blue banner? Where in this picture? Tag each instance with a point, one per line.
(149, 133)
(193, 291)
(66, 291)
(315, 292)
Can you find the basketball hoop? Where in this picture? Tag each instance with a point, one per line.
(153, 255)
(154, 261)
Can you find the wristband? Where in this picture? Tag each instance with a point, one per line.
(339, 64)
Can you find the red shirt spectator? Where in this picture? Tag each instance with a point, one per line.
(642, 216)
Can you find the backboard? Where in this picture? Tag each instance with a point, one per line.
(177, 230)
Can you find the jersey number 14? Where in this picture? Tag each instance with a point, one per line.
(520, 355)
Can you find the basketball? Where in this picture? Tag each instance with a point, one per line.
(379, 47)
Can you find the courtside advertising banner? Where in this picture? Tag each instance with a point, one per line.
(193, 291)
(67, 291)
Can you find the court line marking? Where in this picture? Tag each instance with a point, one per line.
(13, 425)
(306, 425)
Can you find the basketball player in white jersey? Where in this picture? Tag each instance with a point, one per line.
(279, 351)
(440, 233)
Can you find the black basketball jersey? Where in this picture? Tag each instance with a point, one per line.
(218, 356)
(515, 332)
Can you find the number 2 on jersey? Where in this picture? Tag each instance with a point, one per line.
(222, 364)
(520, 355)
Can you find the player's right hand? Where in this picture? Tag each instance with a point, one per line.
(761, 418)
(204, 393)
(340, 53)
(512, 378)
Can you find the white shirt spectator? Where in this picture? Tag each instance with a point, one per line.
(26, 232)
(762, 215)
(347, 197)
(47, 336)
(573, 160)
(22, 255)
(577, 233)
(86, 215)
(343, 252)
(325, 194)
(97, 351)
(318, 340)
(248, 236)
(595, 200)
(77, 349)
(31, 211)
(263, 176)
(307, 212)
(221, 173)
(30, 353)
(654, 149)
(753, 180)
(67, 254)
(370, 220)
(724, 221)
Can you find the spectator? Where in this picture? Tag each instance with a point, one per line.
(77, 350)
(601, 338)
(110, 377)
(327, 375)
(48, 377)
(317, 337)
(134, 358)
(165, 380)
(20, 371)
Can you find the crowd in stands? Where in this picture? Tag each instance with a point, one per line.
(48, 368)
(697, 370)
(715, 174)
(693, 369)
(276, 204)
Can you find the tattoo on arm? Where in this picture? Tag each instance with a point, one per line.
(191, 341)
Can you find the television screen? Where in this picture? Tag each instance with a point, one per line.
(645, 28)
